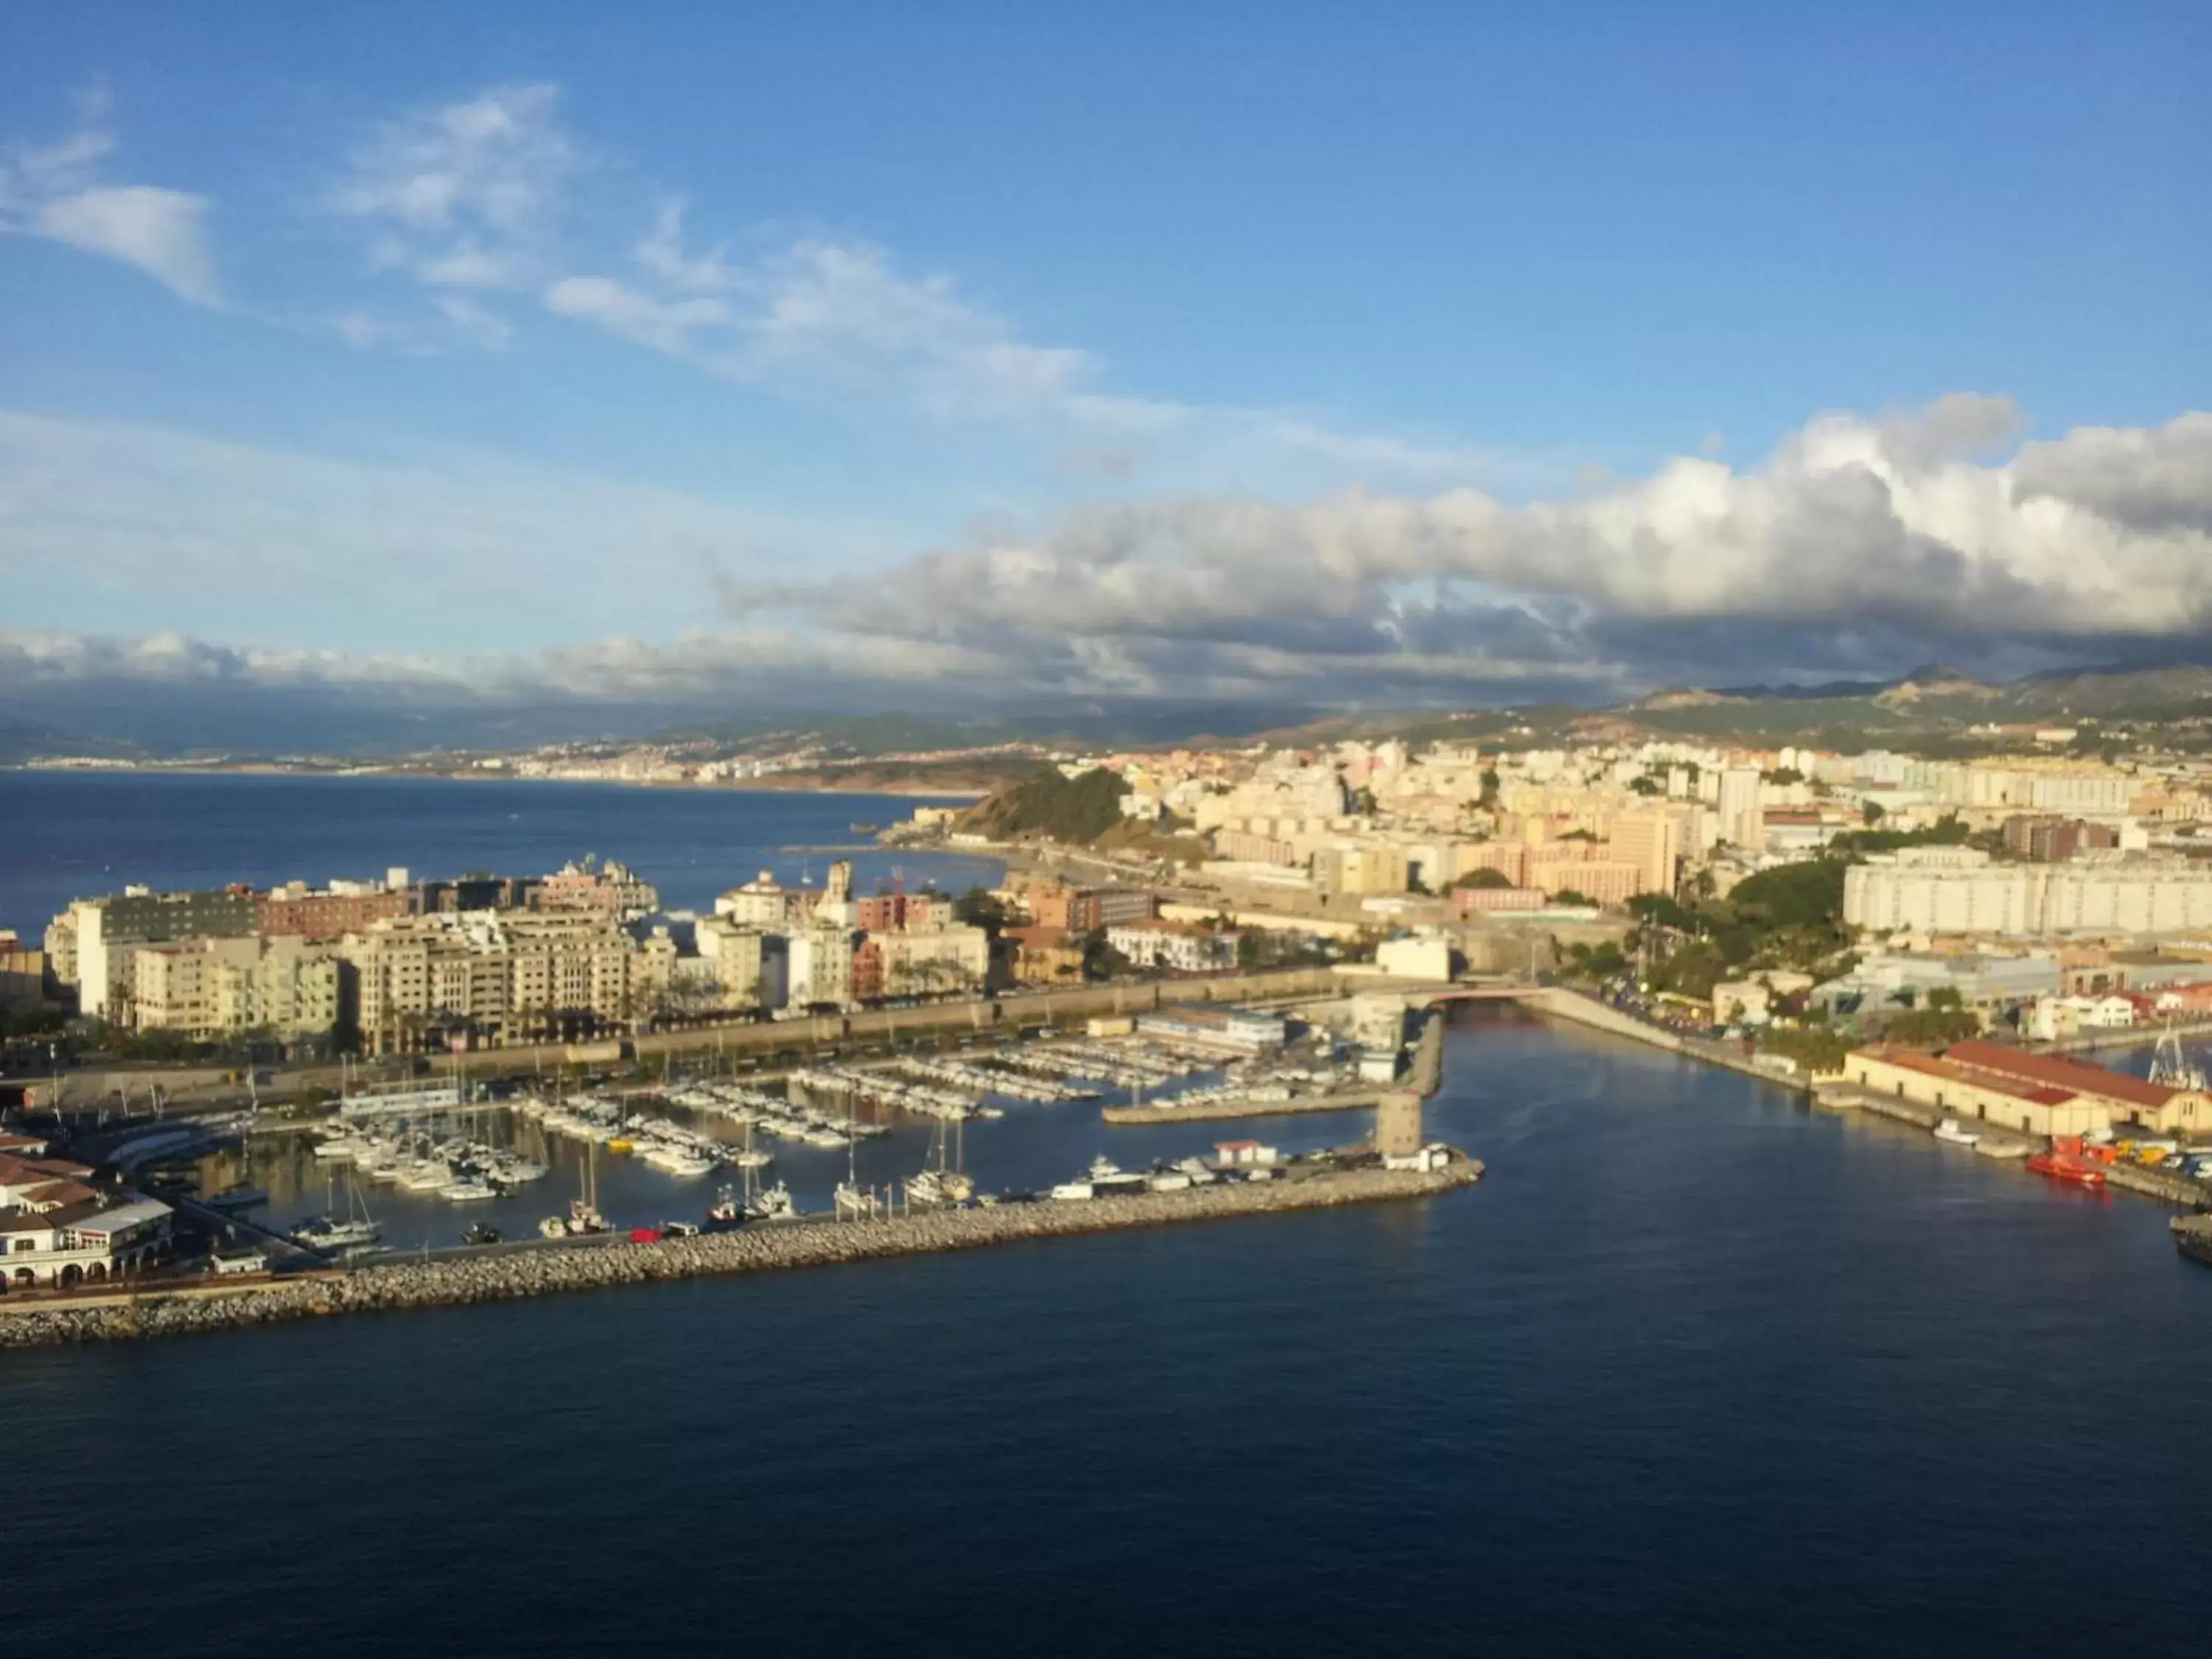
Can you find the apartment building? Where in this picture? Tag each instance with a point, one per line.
(105, 934)
(1652, 841)
(494, 977)
(1958, 891)
(951, 958)
(1184, 946)
(207, 988)
(22, 975)
(330, 912)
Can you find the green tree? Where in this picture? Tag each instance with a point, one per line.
(1485, 876)
(979, 907)
(1568, 896)
(1871, 812)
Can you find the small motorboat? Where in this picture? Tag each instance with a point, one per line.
(482, 1232)
(1951, 1135)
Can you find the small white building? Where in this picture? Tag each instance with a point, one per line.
(1183, 946)
(1416, 959)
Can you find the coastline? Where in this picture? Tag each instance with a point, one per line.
(772, 784)
(500, 1275)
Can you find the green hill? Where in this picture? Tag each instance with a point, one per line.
(1077, 810)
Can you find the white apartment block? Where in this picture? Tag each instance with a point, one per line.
(1958, 891)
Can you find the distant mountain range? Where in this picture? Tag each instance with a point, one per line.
(1935, 705)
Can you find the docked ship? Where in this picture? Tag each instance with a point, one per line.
(2063, 1165)
(2192, 1236)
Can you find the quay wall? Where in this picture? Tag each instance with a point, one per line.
(2160, 1184)
(1563, 1004)
(1200, 1111)
(501, 1275)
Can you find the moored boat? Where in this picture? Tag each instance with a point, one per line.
(1951, 1135)
(2069, 1167)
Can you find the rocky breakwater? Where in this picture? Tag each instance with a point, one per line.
(498, 1275)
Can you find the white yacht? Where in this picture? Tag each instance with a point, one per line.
(425, 1175)
(1108, 1176)
(773, 1204)
(325, 1233)
(469, 1189)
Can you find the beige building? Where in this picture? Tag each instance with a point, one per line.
(216, 987)
(736, 958)
(1349, 868)
(497, 977)
(820, 966)
(2039, 1094)
(1651, 841)
(933, 958)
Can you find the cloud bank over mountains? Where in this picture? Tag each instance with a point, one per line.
(1862, 544)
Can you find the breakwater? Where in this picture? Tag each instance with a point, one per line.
(501, 1275)
(1198, 1111)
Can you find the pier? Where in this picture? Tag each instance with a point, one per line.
(211, 1306)
(1171, 1111)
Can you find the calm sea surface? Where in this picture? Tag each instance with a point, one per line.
(1694, 1371)
(68, 835)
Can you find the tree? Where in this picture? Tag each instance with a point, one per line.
(1661, 911)
(1871, 812)
(1783, 776)
(1485, 877)
(1489, 797)
(1945, 996)
(1933, 1027)
(1568, 896)
(1647, 786)
(979, 907)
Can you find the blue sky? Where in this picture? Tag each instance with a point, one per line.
(1221, 350)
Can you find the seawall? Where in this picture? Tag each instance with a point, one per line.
(1199, 1111)
(501, 1275)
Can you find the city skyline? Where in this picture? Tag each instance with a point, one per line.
(712, 363)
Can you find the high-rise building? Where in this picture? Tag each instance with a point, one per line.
(1652, 840)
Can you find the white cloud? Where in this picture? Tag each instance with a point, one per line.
(162, 231)
(468, 195)
(52, 191)
(1852, 525)
(670, 325)
(1852, 547)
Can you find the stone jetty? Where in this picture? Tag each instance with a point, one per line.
(500, 1274)
(1176, 1111)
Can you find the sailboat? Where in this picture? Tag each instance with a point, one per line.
(851, 1197)
(940, 1183)
(2170, 1067)
(583, 1215)
(356, 1232)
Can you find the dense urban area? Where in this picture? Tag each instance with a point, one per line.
(1929, 937)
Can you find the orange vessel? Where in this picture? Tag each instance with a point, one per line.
(2067, 1166)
